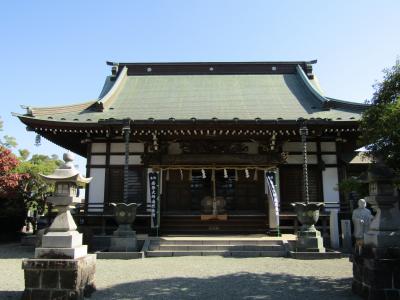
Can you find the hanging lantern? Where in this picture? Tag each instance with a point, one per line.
(203, 173)
(38, 140)
(247, 174)
(225, 173)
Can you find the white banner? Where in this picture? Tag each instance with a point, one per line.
(271, 192)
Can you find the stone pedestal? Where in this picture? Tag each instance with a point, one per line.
(309, 241)
(346, 235)
(59, 278)
(308, 237)
(376, 273)
(62, 240)
(123, 239)
(61, 269)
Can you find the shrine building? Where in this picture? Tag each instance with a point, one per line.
(211, 132)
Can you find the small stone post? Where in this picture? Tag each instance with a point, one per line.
(61, 269)
(376, 265)
(334, 228)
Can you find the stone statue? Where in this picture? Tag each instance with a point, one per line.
(361, 217)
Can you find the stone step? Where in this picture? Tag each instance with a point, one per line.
(161, 253)
(210, 230)
(216, 242)
(225, 247)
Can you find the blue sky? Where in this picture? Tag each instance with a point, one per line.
(54, 52)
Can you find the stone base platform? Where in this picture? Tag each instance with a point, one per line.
(309, 241)
(47, 279)
(61, 253)
(328, 254)
(143, 245)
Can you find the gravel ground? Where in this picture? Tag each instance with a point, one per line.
(208, 278)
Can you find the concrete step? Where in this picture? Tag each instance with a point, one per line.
(216, 242)
(224, 247)
(162, 253)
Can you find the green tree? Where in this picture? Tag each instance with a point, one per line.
(23, 154)
(7, 141)
(21, 186)
(380, 123)
(34, 190)
(12, 208)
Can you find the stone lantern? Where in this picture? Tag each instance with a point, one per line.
(384, 230)
(62, 268)
(62, 239)
(376, 264)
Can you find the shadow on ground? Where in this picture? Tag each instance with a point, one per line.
(233, 286)
(16, 251)
(10, 295)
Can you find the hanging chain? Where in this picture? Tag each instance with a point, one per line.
(126, 131)
(304, 133)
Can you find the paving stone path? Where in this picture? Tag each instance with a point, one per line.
(200, 277)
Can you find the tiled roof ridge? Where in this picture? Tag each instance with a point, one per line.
(60, 109)
(338, 103)
(110, 96)
(328, 102)
(294, 62)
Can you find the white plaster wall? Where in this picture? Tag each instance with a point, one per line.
(298, 147)
(328, 146)
(298, 159)
(98, 160)
(329, 159)
(99, 147)
(120, 160)
(96, 188)
(133, 147)
(329, 182)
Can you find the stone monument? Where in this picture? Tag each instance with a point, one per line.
(362, 218)
(376, 266)
(62, 268)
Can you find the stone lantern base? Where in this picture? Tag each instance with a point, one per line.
(376, 273)
(47, 279)
(310, 241)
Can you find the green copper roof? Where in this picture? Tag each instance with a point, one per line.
(204, 97)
